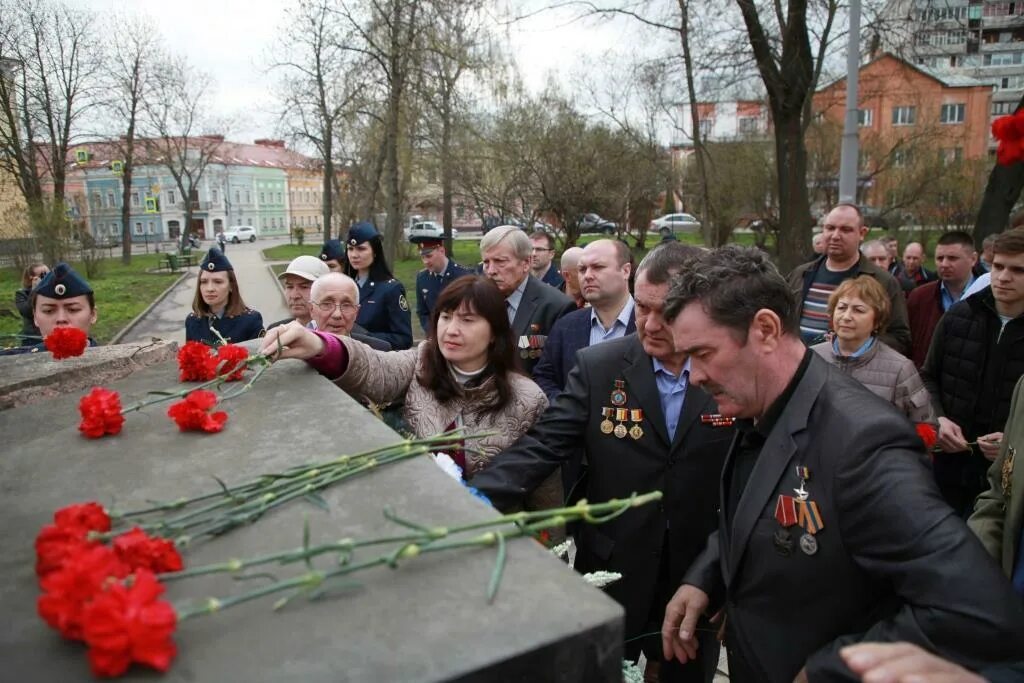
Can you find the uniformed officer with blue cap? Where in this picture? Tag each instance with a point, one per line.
(383, 308)
(61, 299)
(218, 310)
(438, 271)
(333, 254)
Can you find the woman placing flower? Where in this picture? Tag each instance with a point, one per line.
(218, 310)
(463, 377)
(859, 310)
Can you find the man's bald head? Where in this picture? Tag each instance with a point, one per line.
(913, 257)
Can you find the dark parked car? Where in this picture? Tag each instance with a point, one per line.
(591, 222)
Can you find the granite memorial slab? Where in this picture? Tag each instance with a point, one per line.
(426, 620)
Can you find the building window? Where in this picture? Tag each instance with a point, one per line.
(151, 228)
(280, 200)
(111, 202)
(748, 125)
(952, 155)
(865, 117)
(952, 113)
(263, 198)
(1010, 83)
(901, 158)
(97, 200)
(214, 196)
(248, 221)
(1001, 108)
(904, 116)
(135, 198)
(705, 128)
(238, 197)
(248, 197)
(138, 228)
(172, 198)
(1002, 58)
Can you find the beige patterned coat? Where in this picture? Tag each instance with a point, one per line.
(384, 377)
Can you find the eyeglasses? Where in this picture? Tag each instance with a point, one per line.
(328, 307)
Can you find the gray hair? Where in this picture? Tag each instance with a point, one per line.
(733, 283)
(665, 261)
(332, 278)
(513, 236)
(570, 258)
(873, 244)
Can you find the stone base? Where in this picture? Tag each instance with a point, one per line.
(35, 377)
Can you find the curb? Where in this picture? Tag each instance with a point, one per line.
(135, 321)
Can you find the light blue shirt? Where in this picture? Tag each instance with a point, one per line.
(514, 299)
(618, 329)
(671, 391)
(947, 298)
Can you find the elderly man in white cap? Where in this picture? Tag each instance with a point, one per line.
(297, 281)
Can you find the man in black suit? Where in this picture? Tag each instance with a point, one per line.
(603, 272)
(628, 404)
(533, 307)
(831, 530)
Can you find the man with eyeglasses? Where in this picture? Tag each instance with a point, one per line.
(334, 305)
(541, 256)
(438, 271)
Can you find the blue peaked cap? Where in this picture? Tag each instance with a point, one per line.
(215, 261)
(332, 251)
(62, 283)
(361, 232)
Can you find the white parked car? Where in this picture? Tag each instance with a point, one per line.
(240, 233)
(675, 222)
(428, 229)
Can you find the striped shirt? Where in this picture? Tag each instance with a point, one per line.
(814, 321)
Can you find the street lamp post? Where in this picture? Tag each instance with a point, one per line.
(849, 152)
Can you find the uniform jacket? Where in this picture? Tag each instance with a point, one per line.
(23, 301)
(924, 308)
(240, 328)
(685, 469)
(384, 312)
(553, 277)
(888, 375)
(892, 561)
(38, 347)
(538, 310)
(999, 512)
(428, 288)
(898, 333)
(570, 334)
(389, 377)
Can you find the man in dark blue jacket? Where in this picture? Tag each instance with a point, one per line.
(438, 271)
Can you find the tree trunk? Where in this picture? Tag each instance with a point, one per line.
(794, 207)
(328, 189)
(126, 179)
(447, 182)
(707, 223)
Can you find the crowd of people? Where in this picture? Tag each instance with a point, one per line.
(805, 523)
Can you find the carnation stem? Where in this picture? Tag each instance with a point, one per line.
(163, 397)
(431, 539)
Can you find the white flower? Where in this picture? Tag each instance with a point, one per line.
(445, 462)
(631, 673)
(602, 578)
(562, 549)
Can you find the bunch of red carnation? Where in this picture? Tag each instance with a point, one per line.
(927, 433)
(195, 413)
(198, 362)
(101, 413)
(106, 595)
(66, 342)
(1009, 131)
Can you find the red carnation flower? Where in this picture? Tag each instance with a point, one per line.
(193, 414)
(101, 413)
(1004, 128)
(231, 356)
(139, 550)
(66, 342)
(56, 544)
(128, 623)
(69, 589)
(196, 363)
(89, 516)
(927, 433)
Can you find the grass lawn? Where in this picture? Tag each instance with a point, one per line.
(122, 292)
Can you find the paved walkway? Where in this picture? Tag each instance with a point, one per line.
(259, 289)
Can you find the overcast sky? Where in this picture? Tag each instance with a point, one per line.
(231, 38)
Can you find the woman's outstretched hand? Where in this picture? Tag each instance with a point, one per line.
(291, 341)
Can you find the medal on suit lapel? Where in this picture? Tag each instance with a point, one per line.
(804, 474)
(783, 542)
(619, 397)
(808, 544)
(620, 416)
(636, 416)
(606, 425)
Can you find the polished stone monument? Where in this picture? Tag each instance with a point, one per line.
(426, 620)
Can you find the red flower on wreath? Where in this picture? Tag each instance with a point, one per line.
(68, 536)
(927, 433)
(230, 357)
(69, 589)
(193, 414)
(196, 363)
(66, 342)
(139, 550)
(129, 623)
(101, 413)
